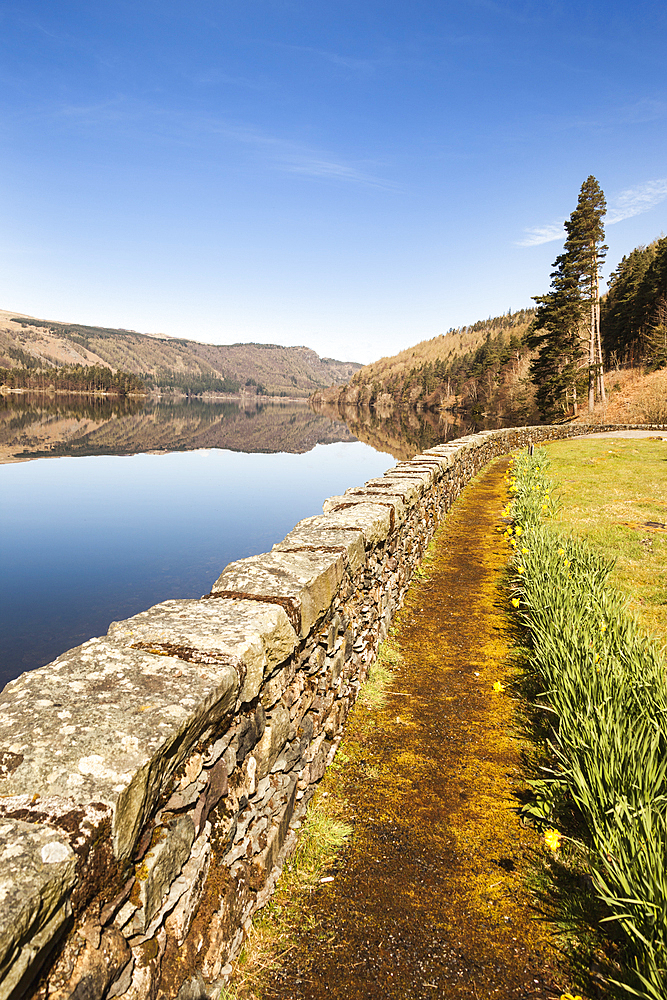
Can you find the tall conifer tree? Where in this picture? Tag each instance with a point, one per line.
(566, 330)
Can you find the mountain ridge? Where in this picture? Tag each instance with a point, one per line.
(169, 362)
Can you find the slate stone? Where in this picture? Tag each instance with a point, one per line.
(251, 636)
(278, 724)
(305, 583)
(218, 786)
(249, 733)
(161, 865)
(108, 724)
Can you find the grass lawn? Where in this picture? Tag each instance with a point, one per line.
(609, 488)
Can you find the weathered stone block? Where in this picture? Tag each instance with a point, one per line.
(93, 960)
(372, 519)
(315, 533)
(37, 872)
(304, 583)
(266, 752)
(409, 488)
(107, 723)
(253, 637)
(160, 867)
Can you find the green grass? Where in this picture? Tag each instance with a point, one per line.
(608, 488)
(600, 724)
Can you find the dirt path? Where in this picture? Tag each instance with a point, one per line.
(427, 901)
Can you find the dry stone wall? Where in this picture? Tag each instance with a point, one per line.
(153, 780)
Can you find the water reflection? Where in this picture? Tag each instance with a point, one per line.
(84, 541)
(142, 501)
(36, 426)
(405, 433)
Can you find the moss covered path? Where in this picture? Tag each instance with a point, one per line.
(427, 901)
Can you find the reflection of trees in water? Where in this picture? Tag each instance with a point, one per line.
(33, 426)
(404, 433)
(20, 409)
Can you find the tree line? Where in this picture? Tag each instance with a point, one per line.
(577, 334)
(72, 378)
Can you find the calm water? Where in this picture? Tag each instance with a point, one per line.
(88, 540)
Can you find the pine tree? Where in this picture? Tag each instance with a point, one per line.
(586, 249)
(568, 317)
(556, 333)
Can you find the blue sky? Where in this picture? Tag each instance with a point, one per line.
(350, 176)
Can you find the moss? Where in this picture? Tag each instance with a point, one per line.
(429, 894)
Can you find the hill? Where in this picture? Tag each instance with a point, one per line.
(472, 369)
(167, 362)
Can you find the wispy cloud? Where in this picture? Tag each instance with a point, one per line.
(154, 124)
(636, 200)
(354, 64)
(313, 166)
(542, 234)
(633, 201)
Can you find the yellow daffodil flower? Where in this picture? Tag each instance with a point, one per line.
(552, 839)
(518, 530)
(520, 569)
(515, 602)
(561, 552)
(497, 686)
(524, 551)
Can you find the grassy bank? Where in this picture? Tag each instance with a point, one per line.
(608, 488)
(598, 689)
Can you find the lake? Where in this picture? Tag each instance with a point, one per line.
(110, 506)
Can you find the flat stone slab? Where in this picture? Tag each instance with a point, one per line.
(313, 533)
(383, 498)
(410, 488)
(372, 518)
(253, 637)
(426, 471)
(37, 871)
(304, 583)
(105, 723)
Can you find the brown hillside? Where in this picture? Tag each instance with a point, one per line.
(287, 371)
(634, 397)
(481, 368)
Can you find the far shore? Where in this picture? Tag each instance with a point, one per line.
(241, 397)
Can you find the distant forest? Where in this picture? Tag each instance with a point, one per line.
(634, 310)
(72, 378)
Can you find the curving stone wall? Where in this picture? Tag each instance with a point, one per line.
(152, 780)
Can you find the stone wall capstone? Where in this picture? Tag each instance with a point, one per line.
(152, 780)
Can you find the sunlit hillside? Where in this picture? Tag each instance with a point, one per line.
(168, 362)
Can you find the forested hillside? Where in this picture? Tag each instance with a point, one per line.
(634, 311)
(36, 345)
(477, 368)
(516, 366)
